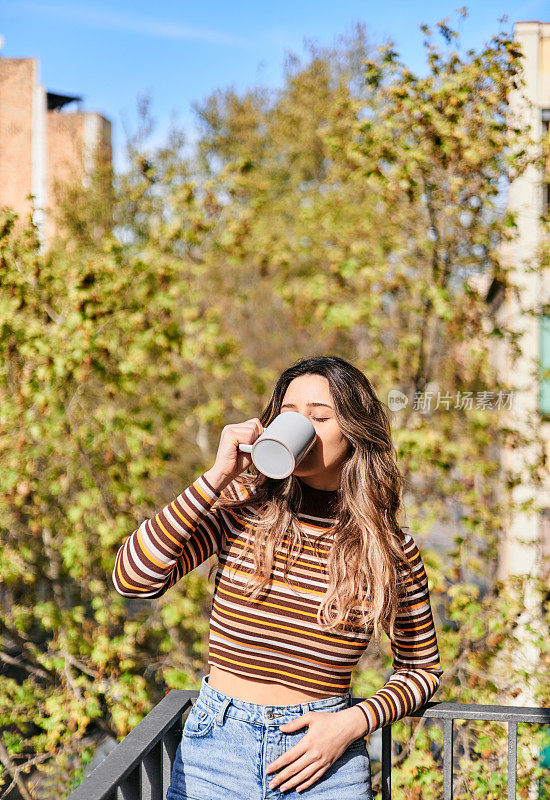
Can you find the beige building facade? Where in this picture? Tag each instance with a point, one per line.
(525, 546)
(525, 543)
(41, 143)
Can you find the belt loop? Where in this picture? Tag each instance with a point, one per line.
(221, 712)
(306, 707)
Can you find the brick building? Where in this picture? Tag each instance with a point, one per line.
(41, 143)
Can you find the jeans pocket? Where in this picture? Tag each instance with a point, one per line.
(200, 721)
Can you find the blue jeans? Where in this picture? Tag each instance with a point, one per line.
(228, 743)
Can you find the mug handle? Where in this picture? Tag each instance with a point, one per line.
(245, 448)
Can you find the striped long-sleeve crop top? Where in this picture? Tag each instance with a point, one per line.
(278, 638)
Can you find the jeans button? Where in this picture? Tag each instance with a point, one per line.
(269, 714)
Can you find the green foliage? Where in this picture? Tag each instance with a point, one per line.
(351, 212)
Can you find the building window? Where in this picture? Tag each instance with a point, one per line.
(545, 543)
(546, 176)
(544, 365)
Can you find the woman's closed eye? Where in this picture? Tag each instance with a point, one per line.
(322, 419)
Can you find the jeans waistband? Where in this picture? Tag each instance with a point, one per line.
(257, 712)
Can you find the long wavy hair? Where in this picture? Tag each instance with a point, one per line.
(363, 567)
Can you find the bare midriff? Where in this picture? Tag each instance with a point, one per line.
(266, 693)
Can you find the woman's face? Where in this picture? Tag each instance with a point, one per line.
(322, 465)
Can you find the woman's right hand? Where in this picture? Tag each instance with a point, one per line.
(230, 461)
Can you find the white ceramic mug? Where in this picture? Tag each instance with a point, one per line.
(282, 445)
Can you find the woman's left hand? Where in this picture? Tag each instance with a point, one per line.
(329, 734)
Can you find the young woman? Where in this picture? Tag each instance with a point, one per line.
(309, 568)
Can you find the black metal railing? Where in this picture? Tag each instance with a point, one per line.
(448, 712)
(139, 768)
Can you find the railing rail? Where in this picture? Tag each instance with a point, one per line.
(139, 768)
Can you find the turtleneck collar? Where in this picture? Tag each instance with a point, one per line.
(318, 502)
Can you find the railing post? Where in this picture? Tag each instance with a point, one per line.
(170, 744)
(448, 759)
(386, 762)
(512, 759)
(130, 787)
(151, 775)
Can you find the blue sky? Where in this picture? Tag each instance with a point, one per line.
(179, 52)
